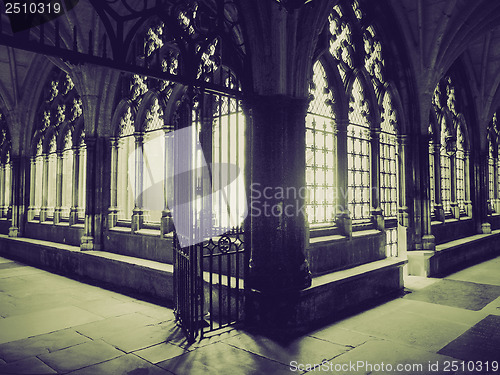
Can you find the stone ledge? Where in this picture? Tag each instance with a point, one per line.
(454, 255)
(330, 298)
(124, 273)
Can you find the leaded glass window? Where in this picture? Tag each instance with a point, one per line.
(445, 164)
(388, 160)
(358, 153)
(52, 180)
(154, 162)
(67, 173)
(432, 177)
(126, 166)
(320, 151)
(460, 160)
(491, 176)
(228, 148)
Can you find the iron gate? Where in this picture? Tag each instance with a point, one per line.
(208, 284)
(209, 272)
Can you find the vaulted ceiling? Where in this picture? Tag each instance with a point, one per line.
(435, 32)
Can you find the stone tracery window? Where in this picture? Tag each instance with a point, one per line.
(452, 165)
(5, 169)
(358, 153)
(320, 151)
(55, 193)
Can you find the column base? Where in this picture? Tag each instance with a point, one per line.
(112, 217)
(57, 215)
(73, 216)
(439, 212)
(486, 228)
(14, 232)
(137, 220)
(167, 223)
(88, 243)
(378, 219)
(428, 242)
(403, 216)
(344, 223)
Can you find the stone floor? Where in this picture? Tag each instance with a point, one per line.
(51, 324)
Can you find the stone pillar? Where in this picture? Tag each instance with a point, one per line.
(94, 210)
(59, 184)
(167, 223)
(343, 217)
(32, 204)
(467, 177)
(18, 176)
(3, 182)
(376, 211)
(438, 203)
(425, 240)
(138, 212)
(73, 214)
(276, 162)
(45, 188)
(481, 194)
(403, 179)
(453, 187)
(113, 208)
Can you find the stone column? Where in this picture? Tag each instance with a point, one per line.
(18, 176)
(453, 187)
(438, 205)
(113, 208)
(45, 188)
(94, 210)
(138, 212)
(32, 204)
(403, 179)
(3, 182)
(73, 214)
(425, 240)
(481, 193)
(167, 224)
(467, 177)
(343, 217)
(376, 211)
(276, 144)
(59, 184)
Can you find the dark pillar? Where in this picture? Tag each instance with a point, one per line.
(19, 165)
(376, 211)
(276, 146)
(96, 160)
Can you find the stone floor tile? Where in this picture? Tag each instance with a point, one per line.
(40, 322)
(125, 365)
(483, 273)
(383, 357)
(139, 338)
(303, 349)
(36, 302)
(160, 352)
(33, 346)
(422, 331)
(222, 359)
(108, 307)
(341, 336)
(79, 356)
(177, 337)
(19, 271)
(110, 326)
(444, 312)
(30, 366)
(155, 311)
